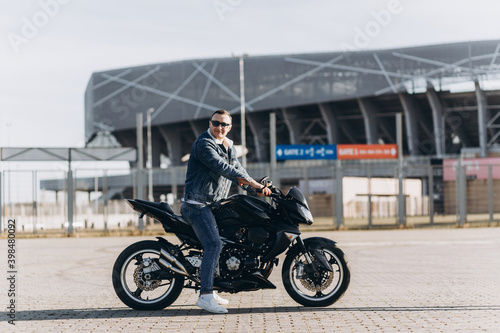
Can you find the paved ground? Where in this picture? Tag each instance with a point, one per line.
(442, 280)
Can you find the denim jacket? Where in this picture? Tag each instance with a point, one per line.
(211, 170)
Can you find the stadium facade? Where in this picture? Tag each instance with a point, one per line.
(448, 96)
(446, 93)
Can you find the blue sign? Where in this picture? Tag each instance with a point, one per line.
(306, 152)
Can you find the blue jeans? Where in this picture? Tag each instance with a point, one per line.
(203, 223)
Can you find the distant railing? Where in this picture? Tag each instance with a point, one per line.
(452, 194)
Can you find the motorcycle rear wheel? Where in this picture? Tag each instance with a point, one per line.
(131, 282)
(323, 290)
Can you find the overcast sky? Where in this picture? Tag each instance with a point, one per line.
(49, 48)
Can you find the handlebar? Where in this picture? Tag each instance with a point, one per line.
(275, 192)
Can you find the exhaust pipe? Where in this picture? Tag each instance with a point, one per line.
(168, 265)
(180, 269)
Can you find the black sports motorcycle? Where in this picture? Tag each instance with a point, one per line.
(150, 275)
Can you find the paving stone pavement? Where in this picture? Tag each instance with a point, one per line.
(425, 280)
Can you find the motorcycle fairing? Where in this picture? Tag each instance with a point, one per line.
(280, 246)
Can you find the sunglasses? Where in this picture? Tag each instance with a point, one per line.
(216, 123)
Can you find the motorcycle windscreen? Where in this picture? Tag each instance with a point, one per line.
(297, 195)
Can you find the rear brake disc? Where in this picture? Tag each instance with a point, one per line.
(142, 282)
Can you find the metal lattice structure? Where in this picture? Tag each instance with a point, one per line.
(342, 97)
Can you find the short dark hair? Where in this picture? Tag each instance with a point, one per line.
(221, 111)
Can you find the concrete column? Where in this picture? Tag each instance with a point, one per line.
(481, 119)
(330, 118)
(156, 147)
(292, 120)
(259, 125)
(171, 135)
(411, 122)
(437, 119)
(368, 111)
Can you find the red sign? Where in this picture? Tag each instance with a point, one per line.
(358, 152)
(476, 167)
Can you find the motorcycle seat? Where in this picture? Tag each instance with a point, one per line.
(158, 205)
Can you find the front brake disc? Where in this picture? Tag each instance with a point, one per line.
(325, 282)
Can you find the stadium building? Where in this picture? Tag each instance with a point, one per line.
(446, 93)
(448, 96)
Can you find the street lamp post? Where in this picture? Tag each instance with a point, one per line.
(242, 106)
(140, 161)
(150, 156)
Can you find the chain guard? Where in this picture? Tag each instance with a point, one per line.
(141, 282)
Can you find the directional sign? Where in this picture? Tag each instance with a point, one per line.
(333, 152)
(306, 152)
(375, 151)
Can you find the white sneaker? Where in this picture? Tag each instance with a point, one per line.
(220, 300)
(211, 305)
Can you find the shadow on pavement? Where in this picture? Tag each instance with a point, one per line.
(90, 313)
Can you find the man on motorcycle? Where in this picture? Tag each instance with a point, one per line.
(212, 166)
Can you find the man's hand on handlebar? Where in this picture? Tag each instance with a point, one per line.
(262, 191)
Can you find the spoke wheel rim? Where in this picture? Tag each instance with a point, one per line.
(132, 289)
(318, 295)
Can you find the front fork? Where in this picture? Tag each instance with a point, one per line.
(304, 250)
(312, 266)
(304, 270)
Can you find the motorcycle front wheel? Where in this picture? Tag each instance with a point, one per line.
(320, 287)
(134, 281)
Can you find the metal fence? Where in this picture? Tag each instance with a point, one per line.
(348, 195)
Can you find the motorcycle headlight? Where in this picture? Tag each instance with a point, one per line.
(307, 214)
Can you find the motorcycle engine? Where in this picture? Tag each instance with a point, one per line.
(234, 262)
